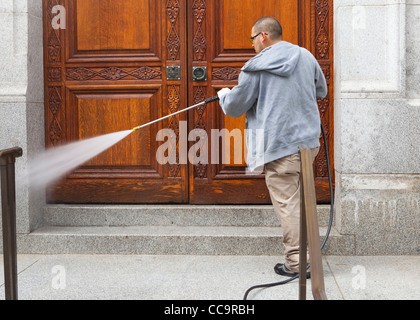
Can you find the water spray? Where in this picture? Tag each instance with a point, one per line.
(56, 162)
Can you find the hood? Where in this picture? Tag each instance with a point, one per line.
(280, 59)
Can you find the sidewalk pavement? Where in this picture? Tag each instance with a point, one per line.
(110, 277)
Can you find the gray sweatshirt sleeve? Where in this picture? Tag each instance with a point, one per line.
(243, 96)
(320, 82)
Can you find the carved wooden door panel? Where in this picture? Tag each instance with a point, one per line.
(106, 72)
(218, 36)
(122, 63)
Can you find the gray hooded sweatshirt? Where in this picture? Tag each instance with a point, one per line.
(278, 91)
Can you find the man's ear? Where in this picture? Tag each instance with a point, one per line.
(264, 36)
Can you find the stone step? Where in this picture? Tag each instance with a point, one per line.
(169, 215)
(167, 230)
(168, 240)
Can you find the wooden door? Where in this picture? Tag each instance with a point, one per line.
(218, 40)
(106, 72)
(122, 63)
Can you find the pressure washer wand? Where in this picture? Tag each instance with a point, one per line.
(210, 100)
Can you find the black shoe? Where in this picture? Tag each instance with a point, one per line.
(281, 269)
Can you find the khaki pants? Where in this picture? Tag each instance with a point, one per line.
(283, 181)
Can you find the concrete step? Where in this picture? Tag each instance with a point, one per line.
(168, 230)
(161, 215)
(168, 240)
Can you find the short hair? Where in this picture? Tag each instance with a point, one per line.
(270, 25)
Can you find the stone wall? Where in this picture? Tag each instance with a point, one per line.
(21, 96)
(377, 134)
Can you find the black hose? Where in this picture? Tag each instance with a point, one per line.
(269, 285)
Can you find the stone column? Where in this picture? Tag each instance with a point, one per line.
(377, 124)
(21, 96)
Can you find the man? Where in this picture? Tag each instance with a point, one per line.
(278, 91)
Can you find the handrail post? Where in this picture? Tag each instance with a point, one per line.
(309, 221)
(8, 202)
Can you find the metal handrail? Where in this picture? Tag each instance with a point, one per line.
(8, 204)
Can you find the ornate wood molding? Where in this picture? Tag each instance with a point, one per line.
(54, 42)
(112, 73)
(173, 42)
(200, 170)
(199, 42)
(54, 74)
(55, 102)
(322, 9)
(322, 51)
(226, 74)
(173, 46)
(54, 90)
(174, 101)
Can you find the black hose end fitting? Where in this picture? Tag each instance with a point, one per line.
(210, 100)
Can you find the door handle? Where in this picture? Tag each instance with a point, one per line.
(199, 73)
